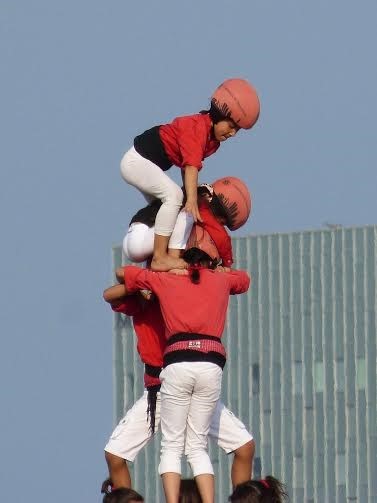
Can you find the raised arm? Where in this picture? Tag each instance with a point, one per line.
(239, 281)
(191, 187)
(115, 293)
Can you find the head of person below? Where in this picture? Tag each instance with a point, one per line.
(188, 492)
(268, 490)
(121, 495)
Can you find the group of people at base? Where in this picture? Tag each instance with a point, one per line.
(178, 304)
(269, 490)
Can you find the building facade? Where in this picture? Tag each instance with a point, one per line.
(301, 367)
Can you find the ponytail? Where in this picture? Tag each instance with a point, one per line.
(194, 273)
(197, 260)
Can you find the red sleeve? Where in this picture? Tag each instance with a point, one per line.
(218, 233)
(191, 139)
(136, 278)
(239, 281)
(129, 305)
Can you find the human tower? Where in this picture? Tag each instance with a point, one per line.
(178, 303)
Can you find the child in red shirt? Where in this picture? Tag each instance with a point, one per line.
(185, 142)
(226, 202)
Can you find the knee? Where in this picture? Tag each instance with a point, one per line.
(245, 452)
(174, 196)
(200, 462)
(114, 462)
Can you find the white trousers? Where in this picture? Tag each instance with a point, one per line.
(132, 433)
(139, 240)
(189, 395)
(153, 183)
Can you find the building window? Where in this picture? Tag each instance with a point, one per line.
(339, 375)
(361, 373)
(257, 468)
(297, 378)
(255, 378)
(319, 377)
(340, 464)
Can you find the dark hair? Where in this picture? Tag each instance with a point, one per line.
(215, 113)
(188, 492)
(122, 495)
(268, 490)
(218, 209)
(198, 259)
(147, 215)
(152, 404)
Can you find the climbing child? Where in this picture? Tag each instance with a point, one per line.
(185, 142)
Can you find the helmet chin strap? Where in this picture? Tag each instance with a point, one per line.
(208, 187)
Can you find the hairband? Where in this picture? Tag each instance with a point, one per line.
(264, 483)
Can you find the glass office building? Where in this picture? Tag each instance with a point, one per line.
(301, 368)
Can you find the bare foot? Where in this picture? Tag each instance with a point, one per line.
(167, 263)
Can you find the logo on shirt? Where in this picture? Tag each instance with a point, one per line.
(194, 345)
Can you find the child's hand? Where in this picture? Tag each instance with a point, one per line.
(192, 207)
(179, 272)
(221, 268)
(119, 274)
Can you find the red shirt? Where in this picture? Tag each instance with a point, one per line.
(185, 306)
(149, 327)
(218, 233)
(188, 140)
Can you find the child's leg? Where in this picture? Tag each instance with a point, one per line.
(150, 180)
(203, 403)
(233, 437)
(181, 233)
(176, 390)
(171, 482)
(139, 241)
(118, 471)
(242, 465)
(128, 438)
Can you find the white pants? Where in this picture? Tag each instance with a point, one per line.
(153, 183)
(139, 240)
(132, 433)
(189, 395)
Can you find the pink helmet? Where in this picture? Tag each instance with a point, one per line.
(235, 198)
(238, 100)
(199, 238)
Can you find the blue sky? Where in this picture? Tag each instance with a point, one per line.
(79, 80)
